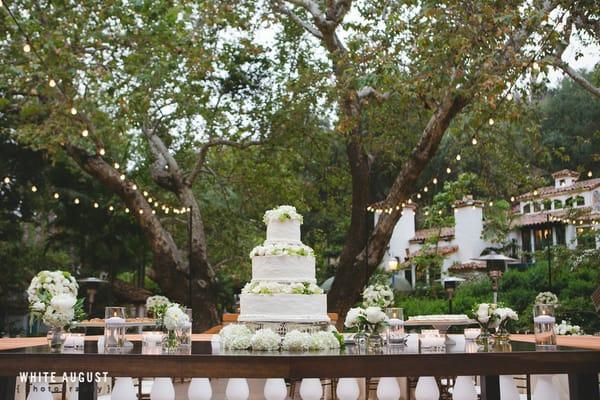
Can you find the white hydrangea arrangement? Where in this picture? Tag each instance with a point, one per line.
(239, 337)
(565, 328)
(281, 214)
(546, 298)
(270, 287)
(52, 297)
(157, 305)
(491, 315)
(175, 318)
(378, 295)
(281, 249)
(372, 319)
(265, 340)
(296, 341)
(505, 314)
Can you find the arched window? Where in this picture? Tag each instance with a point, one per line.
(527, 208)
(569, 202)
(558, 204)
(547, 204)
(537, 207)
(579, 201)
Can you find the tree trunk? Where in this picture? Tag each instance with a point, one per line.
(171, 271)
(353, 272)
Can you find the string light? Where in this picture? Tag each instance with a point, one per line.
(96, 205)
(589, 174)
(535, 192)
(512, 198)
(56, 195)
(435, 181)
(491, 203)
(116, 165)
(458, 157)
(145, 194)
(150, 199)
(536, 66)
(6, 180)
(52, 83)
(509, 97)
(491, 121)
(73, 111)
(26, 48)
(440, 212)
(84, 133)
(134, 186)
(474, 141)
(141, 212)
(418, 195)
(448, 170)
(122, 177)
(426, 213)
(102, 152)
(111, 208)
(425, 189)
(127, 210)
(76, 201)
(34, 188)
(153, 212)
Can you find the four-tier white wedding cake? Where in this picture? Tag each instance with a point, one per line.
(283, 286)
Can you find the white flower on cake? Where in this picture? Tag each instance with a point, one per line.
(282, 213)
(280, 249)
(236, 336)
(546, 298)
(175, 318)
(265, 340)
(324, 341)
(296, 341)
(378, 295)
(270, 287)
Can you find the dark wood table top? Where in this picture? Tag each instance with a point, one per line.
(206, 361)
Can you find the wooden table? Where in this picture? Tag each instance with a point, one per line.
(582, 365)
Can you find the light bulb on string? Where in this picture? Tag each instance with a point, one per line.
(409, 201)
(141, 212)
(397, 208)
(6, 180)
(85, 133)
(426, 213)
(435, 181)
(425, 189)
(73, 111)
(589, 174)
(34, 188)
(189, 209)
(474, 141)
(126, 210)
(536, 66)
(166, 210)
(153, 212)
(102, 152)
(116, 165)
(52, 83)
(145, 193)
(96, 205)
(76, 201)
(111, 208)
(440, 212)
(512, 198)
(122, 177)
(27, 48)
(491, 203)
(134, 186)
(509, 97)
(448, 170)
(458, 157)
(418, 195)
(56, 195)
(535, 192)
(491, 121)
(149, 199)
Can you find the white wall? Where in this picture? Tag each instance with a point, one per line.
(403, 232)
(467, 232)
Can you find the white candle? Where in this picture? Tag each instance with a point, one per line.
(114, 321)
(472, 333)
(544, 319)
(396, 322)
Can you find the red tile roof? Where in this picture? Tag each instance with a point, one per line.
(422, 234)
(441, 250)
(564, 173)
(468, 266)
(584, 213)
(548, 191)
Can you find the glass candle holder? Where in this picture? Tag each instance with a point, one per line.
(543, 326)
(152, 342)
(74, 343)
(395, 331)
(114, 334)
(110, 312)
(430, 342)
(472, 333)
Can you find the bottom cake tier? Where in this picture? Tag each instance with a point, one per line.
(305, 308)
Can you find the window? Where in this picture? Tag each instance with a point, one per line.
(558, 204)
(537, 207)
(526, 240)
(527, 208)
(579, 201)
(561, 182)
(569, 202)
(542, 237)
(547, 204)
(560, 234)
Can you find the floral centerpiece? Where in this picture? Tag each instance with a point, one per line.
(240, 337)
(52, 297)
(178, 326)
(505, 314)
(156, 306)
(372, 320)
(378, 295)
(546, 298)
(282, 213)
(493, 316)
(565, 328)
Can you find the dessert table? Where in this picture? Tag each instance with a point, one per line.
(209, 361)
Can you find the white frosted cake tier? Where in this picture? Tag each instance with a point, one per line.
(283, 308)
(283, 268)
(287, 231)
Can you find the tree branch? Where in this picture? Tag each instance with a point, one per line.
(203, 152)
(368, 91)
(299, 21)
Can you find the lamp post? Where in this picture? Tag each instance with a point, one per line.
(496, 265)
(450, 283)
(548, 252)
(92, 285)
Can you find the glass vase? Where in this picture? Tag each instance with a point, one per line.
(56, 339)
(484, 339)
(374, 342)
(170, 342)
(360, 339)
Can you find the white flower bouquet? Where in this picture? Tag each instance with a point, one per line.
(265, 340)
(546, 298)
(175, 320)
(296, 341)
(485, 315)
(157, 305)
(282, 213)
(378, 295)
(372, 319)
(505, 314)
(565, 328)
(52, 297)
(236, 337)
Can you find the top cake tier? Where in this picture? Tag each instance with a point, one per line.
(283, 225)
